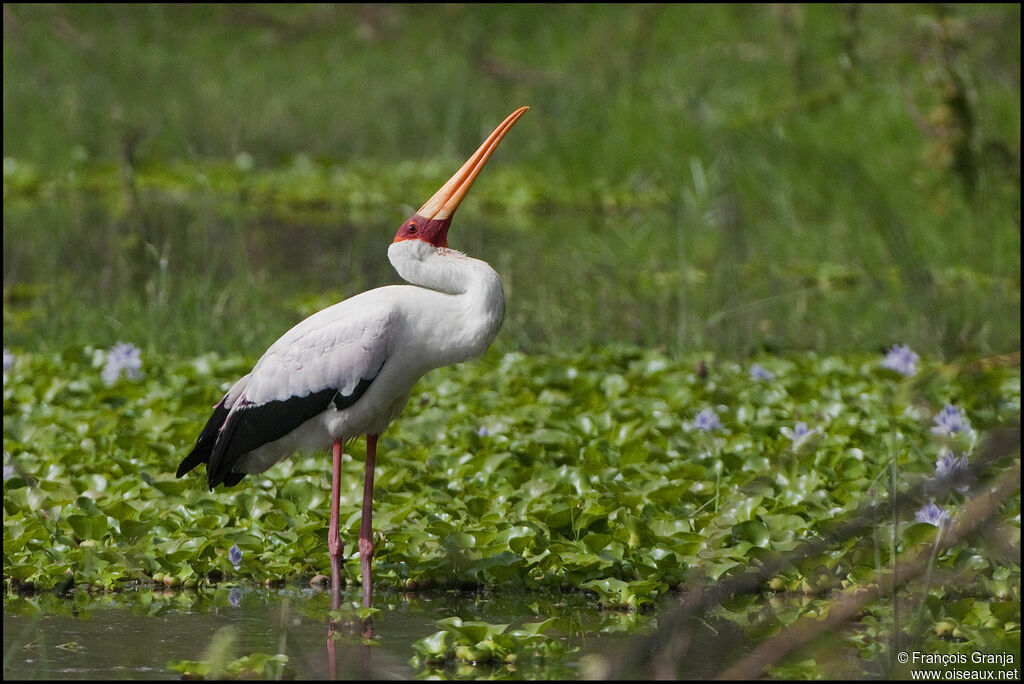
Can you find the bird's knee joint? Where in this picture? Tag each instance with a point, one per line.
(365, 547)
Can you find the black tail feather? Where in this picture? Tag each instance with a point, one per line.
(228, 436)
(203, 449)
(253, 425)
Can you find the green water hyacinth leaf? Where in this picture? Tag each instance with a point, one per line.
(532, 628)
(134, 530)
(165, 485)
(89, 526)
(433, 647)
(482, 643)
(460, 540)
(716, 570)
(616, 593)
(253, 666)
(473, 630)
(753, 531)
(919, 533)
(304, 494)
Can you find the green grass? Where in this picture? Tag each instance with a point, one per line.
(744, 178)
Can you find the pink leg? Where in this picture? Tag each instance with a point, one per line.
(366, 527)
(332, 654)
(334, 544)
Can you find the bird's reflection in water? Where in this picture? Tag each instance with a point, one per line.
(334, 627)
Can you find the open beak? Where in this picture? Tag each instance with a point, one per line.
(446, 200)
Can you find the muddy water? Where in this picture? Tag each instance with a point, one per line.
(136, 634)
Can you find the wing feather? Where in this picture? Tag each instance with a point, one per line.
(203, 449)
(331, 357)
(335, 348)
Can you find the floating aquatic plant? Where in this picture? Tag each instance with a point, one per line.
(592, 484)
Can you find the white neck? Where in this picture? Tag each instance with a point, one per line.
(478, 300)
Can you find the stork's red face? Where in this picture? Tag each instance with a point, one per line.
(431, 222)
(418, 227)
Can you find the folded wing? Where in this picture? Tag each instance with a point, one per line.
(328, 360)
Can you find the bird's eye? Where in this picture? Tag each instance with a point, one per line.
(412, 227)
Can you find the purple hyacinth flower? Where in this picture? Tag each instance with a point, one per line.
(235, 556)
(798, 433)
(759, 372)
(901, 359)
(954, 468)
(949, 464)
(123, 357)
(950, 421)
(932, 514)
(707, 420)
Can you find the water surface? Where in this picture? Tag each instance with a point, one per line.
(134, 634)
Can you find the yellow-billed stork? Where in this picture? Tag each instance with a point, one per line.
(348, 370)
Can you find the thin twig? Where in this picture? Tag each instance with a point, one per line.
(660, 654)
(853, 599)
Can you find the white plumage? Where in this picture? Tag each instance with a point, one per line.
(390, 335)
(348, 370)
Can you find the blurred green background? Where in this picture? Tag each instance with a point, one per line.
(730, 178)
